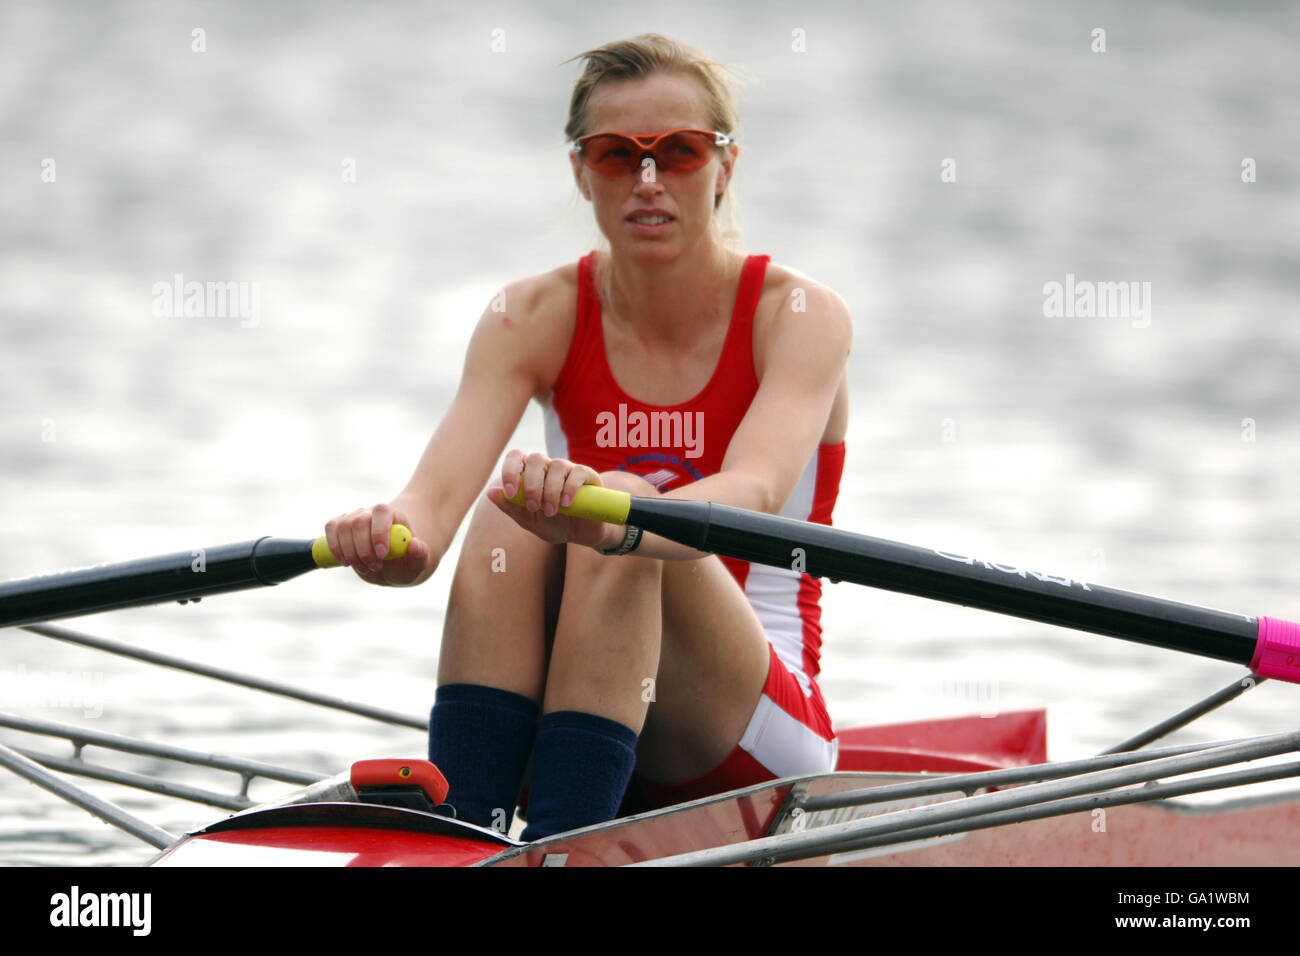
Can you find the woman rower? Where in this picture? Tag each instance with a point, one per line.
(668, 365)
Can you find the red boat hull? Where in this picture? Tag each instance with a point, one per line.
(358, 834)
(955, 745)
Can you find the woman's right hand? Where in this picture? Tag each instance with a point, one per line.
(359, 540)
(547, 484)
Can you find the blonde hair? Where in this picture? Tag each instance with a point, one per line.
(652, 53)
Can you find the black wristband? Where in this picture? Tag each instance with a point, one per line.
(630, 541)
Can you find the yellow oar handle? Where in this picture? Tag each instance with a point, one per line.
(399, 536)
(594, 502)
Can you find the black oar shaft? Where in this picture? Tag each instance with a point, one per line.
(823, 551)
(173, 577)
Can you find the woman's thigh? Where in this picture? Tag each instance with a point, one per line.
(713, 663)
(502, 606)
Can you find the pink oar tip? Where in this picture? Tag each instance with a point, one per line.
(1277, 654)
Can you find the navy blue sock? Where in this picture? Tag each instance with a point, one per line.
(480, 738)
(581, 766)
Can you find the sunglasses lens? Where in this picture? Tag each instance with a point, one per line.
(682, 152)
(610, 155)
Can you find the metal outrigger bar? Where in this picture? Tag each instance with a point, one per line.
(33, 766)
(1084, 786)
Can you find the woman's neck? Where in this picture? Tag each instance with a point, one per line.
(668, 301)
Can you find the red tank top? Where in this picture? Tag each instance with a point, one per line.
(592, 421)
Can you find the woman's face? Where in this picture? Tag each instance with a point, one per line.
(646, 106)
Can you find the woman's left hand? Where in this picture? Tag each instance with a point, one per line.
(549, 484)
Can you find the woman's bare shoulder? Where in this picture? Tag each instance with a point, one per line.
(543, 307)
(538, 296)
(784, 283)
(792, 296)
(799, 316)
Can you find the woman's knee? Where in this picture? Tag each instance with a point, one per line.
(496, 551)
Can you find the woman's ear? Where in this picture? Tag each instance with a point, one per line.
(728, 167)
(578, 177)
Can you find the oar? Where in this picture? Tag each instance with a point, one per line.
(184, 576)
(1269, 646)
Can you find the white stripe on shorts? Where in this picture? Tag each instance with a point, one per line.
(785, 746)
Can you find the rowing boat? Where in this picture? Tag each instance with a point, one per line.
(895, 799)
(960, 791)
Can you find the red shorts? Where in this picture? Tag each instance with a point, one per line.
(788, 735)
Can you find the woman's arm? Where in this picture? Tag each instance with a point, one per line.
(804, 358)
(501, 372)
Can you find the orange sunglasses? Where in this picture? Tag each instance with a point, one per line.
(676, 151)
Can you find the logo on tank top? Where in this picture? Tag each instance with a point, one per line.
(670, 430)
(661, 478)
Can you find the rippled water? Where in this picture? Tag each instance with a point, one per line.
(1159, 456)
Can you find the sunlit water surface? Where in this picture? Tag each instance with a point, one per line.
(1156, 453)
